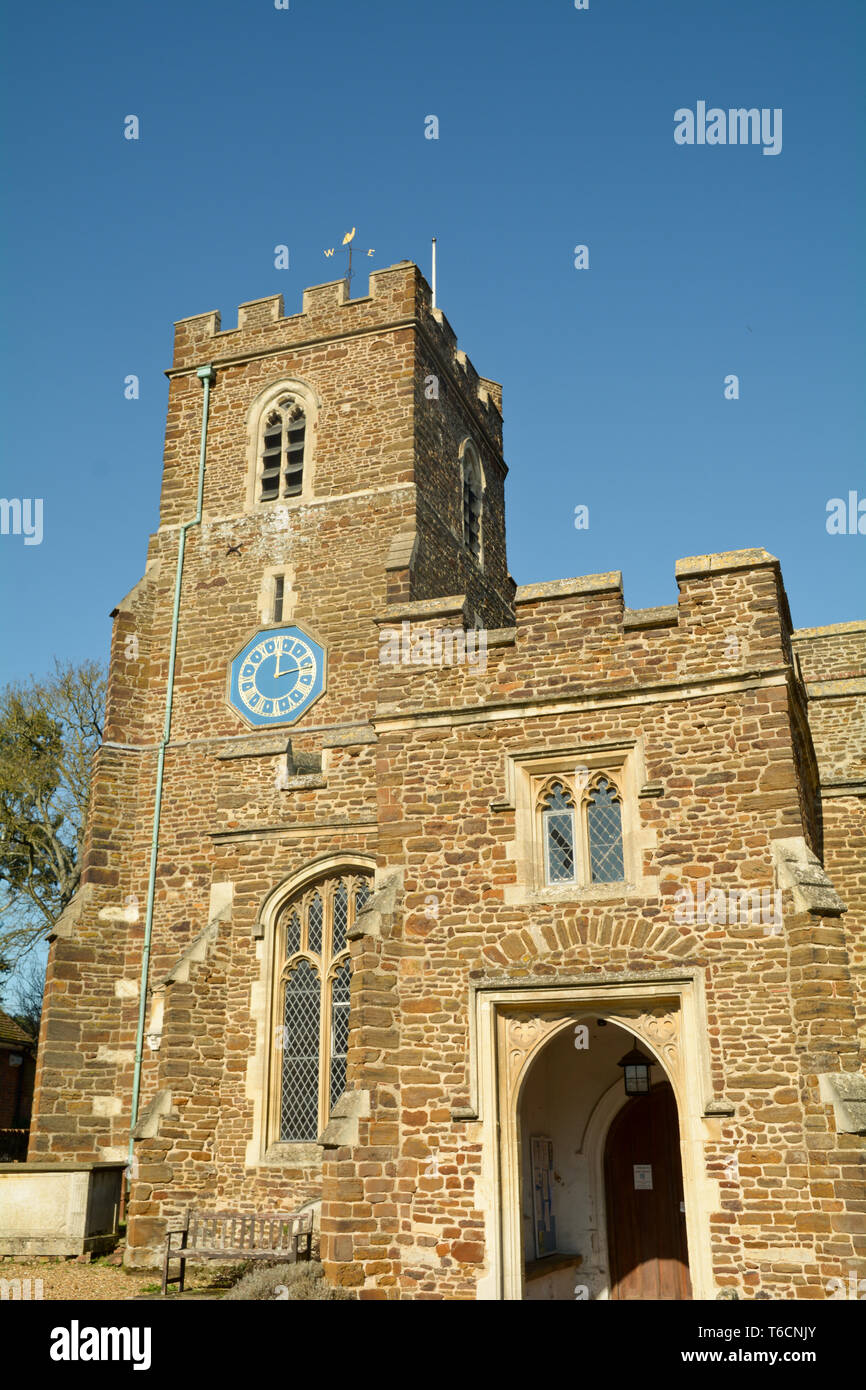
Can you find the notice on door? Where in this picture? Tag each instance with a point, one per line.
(643, 1176)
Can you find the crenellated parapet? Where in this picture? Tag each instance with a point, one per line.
(398, 296)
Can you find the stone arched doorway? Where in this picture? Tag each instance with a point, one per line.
(586, 1154)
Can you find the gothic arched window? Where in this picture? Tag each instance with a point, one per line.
(284, 431)
(473, 499)
(580, 825)
(557, 818)
(604, 832)
(311, 1004)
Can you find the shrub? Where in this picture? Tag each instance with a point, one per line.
(286, 1283)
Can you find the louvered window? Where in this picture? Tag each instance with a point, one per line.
(282, 454)
(473, 503)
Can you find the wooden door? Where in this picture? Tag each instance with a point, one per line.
(646, 1224)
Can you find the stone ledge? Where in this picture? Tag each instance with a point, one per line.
(831, 630)
(464, 1112)
(842, 786)
(253, 749)
(342, 1129)
(363, 733)
(800, 870)
(376, 917)
(306, 782)
(147, 1124)
(639, 619)
(550, 1264)
(846, 1092)
(402, 550)
(289, 1153)
(197, 950)
(694, 566)
(836, 688)
(454, 605)
(650, 790)
(719, 1107)
(610, 582)
(69, 918)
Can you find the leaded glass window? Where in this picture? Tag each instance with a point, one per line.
(339, 1031)
(282, 454)
(315, 924)
(299, 1099)
(604, 827)
(341, 915)
(580, 830)
(558, 822)
(293, 934)
(311, 1029)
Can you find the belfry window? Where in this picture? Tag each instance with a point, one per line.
(473, 500)
(311, 1004)
(282, 453)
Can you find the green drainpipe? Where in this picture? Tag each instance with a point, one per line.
(206, 375)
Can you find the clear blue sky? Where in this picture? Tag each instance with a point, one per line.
(261, 127)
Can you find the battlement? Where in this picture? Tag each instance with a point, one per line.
(398, 296)
(575, 640)
(693, 570)
(731, 614)
(833, 653)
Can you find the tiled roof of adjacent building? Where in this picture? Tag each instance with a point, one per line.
(12, 1032)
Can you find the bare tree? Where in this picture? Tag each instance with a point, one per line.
(23, 995)
(49, 731)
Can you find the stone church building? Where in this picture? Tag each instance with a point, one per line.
(517, 930)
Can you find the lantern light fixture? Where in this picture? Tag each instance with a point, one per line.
(636, 1069)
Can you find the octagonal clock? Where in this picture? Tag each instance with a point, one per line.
(276, 676)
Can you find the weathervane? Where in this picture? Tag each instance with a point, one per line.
(347, 242)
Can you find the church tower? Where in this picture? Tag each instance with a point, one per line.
(322, 470)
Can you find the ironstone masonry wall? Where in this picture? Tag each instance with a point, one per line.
(413, 778)
(721, 740)
(833, 662)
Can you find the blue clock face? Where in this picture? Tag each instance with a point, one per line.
(277, 676)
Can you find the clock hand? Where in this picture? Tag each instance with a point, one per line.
(306, 666)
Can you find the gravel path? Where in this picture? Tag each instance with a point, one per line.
(66, 1279)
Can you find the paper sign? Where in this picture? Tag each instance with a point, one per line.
(643, 1176)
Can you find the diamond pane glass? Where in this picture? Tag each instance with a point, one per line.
(362, 893)
(341, 916)
(314, 925)
(293, 934)
(299, 1097)
(339, 1031)
(604, 823)
(559, 837)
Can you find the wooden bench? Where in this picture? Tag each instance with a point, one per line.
(237, 1235)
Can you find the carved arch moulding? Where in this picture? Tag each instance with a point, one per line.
(525, 1033)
